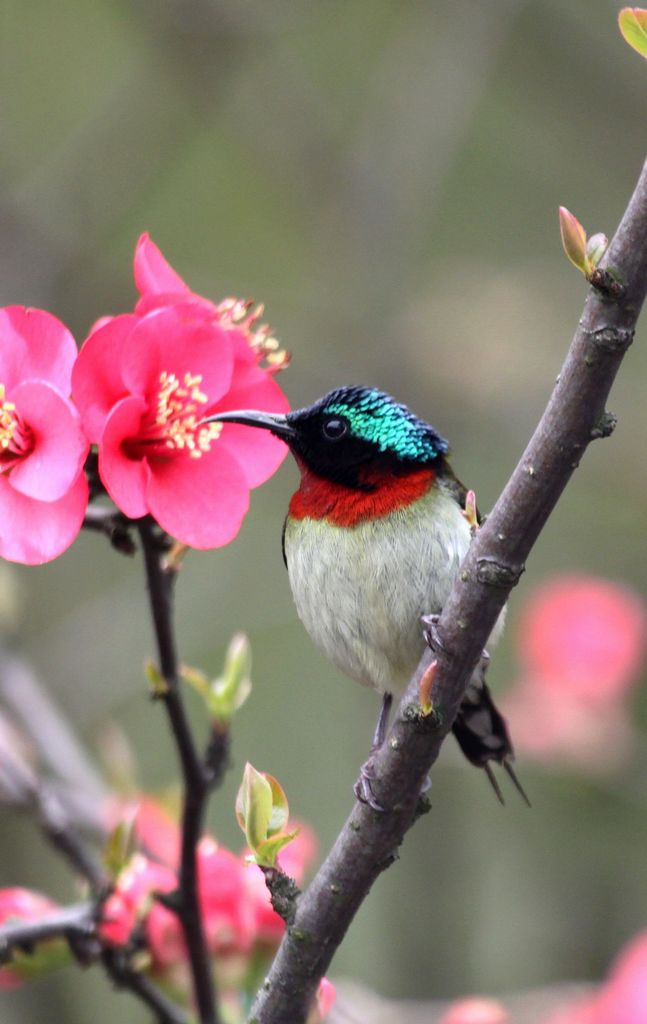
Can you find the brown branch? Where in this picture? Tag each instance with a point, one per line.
(197, 776)
(574, 416)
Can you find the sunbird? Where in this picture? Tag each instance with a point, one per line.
(373, 541)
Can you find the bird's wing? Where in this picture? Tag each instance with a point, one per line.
(455, 487)
(285, 523)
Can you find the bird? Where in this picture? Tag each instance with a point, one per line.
(373, 541)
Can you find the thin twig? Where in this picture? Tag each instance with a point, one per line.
(196, 777)
(77, 925)
(77, 920)
(113, 524)
(125, 976)
(574, 416)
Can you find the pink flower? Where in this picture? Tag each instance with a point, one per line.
(157, 833)
(475, 1010)
(133, 898)
(227, 913)
(143, 383)
(621, 999)
(43, 491)
(324, 1002)
(18, 904)
(584, 636)
(581, 643)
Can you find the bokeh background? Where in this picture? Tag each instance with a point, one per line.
(385, 177)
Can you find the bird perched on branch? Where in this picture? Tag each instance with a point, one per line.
(373, 541)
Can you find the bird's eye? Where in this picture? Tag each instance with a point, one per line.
(334, 428)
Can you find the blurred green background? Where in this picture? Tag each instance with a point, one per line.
(385, 177)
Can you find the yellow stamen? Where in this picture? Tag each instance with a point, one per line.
(8, 422)
(243, 314)
(179, 414)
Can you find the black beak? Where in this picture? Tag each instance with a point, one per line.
(273, 421)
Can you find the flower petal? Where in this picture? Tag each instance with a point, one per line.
(152, 271)
(196, 305)
(48, 350)
(125, 479)
(33, 532)
(60, 446)
(168, 341)
(97, 381)
(258, 452)
(201, 502)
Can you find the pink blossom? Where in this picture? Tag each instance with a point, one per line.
(581, 643)
(475, 1010)
(18, 904)
(583, 635)
(144, 382)
(133, 898)
(43, 491)
(547, 724)
(324, 1002)
(227, 913)
(621, 999)
(157, 834)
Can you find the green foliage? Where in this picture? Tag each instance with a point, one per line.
(633, 25)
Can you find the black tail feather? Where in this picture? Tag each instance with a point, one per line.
(482, 734)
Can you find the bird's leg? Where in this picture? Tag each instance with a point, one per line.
(363, 788)
(382, 722)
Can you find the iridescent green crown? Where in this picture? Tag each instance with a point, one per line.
(377, 418)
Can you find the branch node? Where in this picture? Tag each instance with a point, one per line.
(423, 723)
(608, 341)
(423, 806)
(497, 574)
(284, 893)
(604, 425)
(606, 284)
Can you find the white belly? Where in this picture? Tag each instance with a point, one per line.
(360, 591)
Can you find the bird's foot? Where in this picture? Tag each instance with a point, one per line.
(363, 788)
(432, 637)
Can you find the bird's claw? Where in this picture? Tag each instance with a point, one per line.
(363, 788)
(432, 637)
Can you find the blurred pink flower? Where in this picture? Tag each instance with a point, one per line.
(157, 834)
(581, 644)
(622, 999)
(143, 382)
(228, 915)
(43, 490)
(133, 897)
(324, 1002)
(584, 636)
(475, 1010)
(18, 904)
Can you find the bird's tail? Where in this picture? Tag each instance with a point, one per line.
(482, 733)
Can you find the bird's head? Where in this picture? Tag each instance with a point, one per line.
(349, 434)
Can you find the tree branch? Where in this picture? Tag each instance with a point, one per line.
(573, 417)
(197, 779)
(77, 925)
(74, 921)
